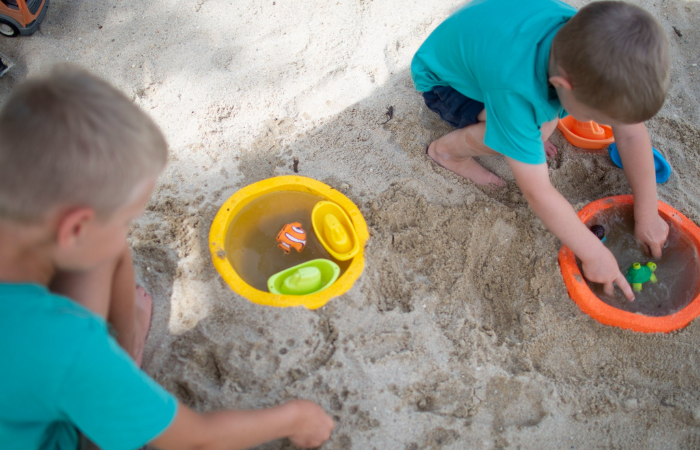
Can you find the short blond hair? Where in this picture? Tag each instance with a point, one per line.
(616, 58)
(71, 139)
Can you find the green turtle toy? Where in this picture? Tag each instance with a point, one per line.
(639, 274)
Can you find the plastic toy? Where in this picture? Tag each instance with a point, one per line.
(588, 135)
(21, 17)
(292, 236)
(639, 274)
(599, 231)
(663, 168)
(304, 279)
(335, 230)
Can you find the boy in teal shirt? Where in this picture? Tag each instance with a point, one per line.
(78, 162)
(504, 71)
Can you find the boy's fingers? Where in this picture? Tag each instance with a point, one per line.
(609, 289)
(656, 249)
(622, 283)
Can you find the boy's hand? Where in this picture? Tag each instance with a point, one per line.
(602, 268)
(312, 427)
(653, 234)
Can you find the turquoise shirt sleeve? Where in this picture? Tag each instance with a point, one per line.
(110, 400)
(511, 127)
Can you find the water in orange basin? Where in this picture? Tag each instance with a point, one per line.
(677, 270)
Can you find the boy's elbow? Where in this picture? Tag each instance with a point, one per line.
(533, 180)
(534, 195)
(189, 431)
(202, 443)
(202, 439)
(530, 193)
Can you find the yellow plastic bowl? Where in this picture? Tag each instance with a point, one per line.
(232, 206)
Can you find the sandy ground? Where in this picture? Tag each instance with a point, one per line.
(460, 333)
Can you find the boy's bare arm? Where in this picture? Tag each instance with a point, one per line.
(599, 265)
(303, 422)
(637, 158)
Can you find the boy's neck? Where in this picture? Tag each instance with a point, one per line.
(24, 255)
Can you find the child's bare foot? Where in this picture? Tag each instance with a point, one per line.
(144, 309)
(550, 149)
(465, 166)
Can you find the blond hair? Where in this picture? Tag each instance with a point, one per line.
(616, 58)
(71, 139)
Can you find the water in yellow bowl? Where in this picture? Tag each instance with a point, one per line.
(251, 245)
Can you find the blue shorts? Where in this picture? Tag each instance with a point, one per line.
(453, 107)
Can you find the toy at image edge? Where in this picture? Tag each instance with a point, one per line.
(661, 166)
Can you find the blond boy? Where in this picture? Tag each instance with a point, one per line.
(504, 71)
(78, 162)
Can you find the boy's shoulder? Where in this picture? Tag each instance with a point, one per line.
(510, 10)
(32, 306)
(40, 330)
(61, 367)
(490, 44)
(509, 27)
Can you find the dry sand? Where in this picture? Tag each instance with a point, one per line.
(460, 333)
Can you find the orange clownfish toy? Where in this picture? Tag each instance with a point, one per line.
(292, 236)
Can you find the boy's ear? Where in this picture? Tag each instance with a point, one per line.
(72, 225)
(561, 80)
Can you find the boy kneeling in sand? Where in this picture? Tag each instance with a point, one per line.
(504, 71)
(78, 162)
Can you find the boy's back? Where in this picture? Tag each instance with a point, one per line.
(61, 369)
(497, 52)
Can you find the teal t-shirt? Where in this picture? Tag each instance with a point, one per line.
(497, 52)
(62, 371)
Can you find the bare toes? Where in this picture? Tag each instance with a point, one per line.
(550, 149)
(497, 183)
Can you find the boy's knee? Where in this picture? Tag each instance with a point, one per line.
(124, 258)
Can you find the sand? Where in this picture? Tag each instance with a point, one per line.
(460, 333)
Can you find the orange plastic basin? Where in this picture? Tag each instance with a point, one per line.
(588, 135)
(608, 315)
